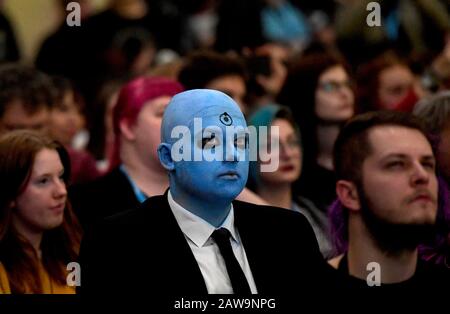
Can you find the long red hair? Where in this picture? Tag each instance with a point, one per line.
(59, 246)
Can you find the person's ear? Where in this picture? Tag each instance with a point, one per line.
(165, 156)
(348, 195)
(127, 130)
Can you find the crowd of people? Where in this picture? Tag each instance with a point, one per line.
(88, 171)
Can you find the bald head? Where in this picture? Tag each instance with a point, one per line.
(209, 123)
(199, 103)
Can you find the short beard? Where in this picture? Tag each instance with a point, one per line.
(393, 238)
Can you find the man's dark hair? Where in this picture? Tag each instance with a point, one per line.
(202, 67)
(63, 85)
(32, 88)
(352, 146)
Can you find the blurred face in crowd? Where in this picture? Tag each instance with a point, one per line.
(395, 83)
(399, 179)
(143, 60)
(278, 56)
(290, 156)
(42, 203)
(147, 130)
(233, 86)
(17, 117)
(334, 96)
(65, 119)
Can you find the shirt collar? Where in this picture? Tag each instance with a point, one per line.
(196, 228)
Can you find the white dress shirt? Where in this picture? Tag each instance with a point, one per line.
(197, 232)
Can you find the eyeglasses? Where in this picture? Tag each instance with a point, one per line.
(290, 144)
(333, 86)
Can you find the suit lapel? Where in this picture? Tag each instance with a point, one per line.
(185, 272)
(254, 240)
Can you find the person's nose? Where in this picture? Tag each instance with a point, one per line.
(345, 91)
(285, 151)
(288, 150)
(230, 152)
(60, 190)
(72, 119)
(420, 175)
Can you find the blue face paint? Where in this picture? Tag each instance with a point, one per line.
(206, 187)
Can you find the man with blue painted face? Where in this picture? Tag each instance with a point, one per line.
(196, 239)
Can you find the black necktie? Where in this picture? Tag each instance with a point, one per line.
(237, 277)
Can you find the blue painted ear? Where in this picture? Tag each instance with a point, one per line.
(165, 156)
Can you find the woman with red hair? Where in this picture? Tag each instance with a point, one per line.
(39, 234)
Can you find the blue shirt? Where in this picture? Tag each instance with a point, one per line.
(140, 196)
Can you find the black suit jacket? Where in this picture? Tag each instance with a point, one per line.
(144, 250)
(103, 197)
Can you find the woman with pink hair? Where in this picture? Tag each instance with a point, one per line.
(135, 172)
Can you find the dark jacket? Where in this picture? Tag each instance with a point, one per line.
(106, 196)
(144, 252)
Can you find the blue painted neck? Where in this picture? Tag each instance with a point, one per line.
(212, 209)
